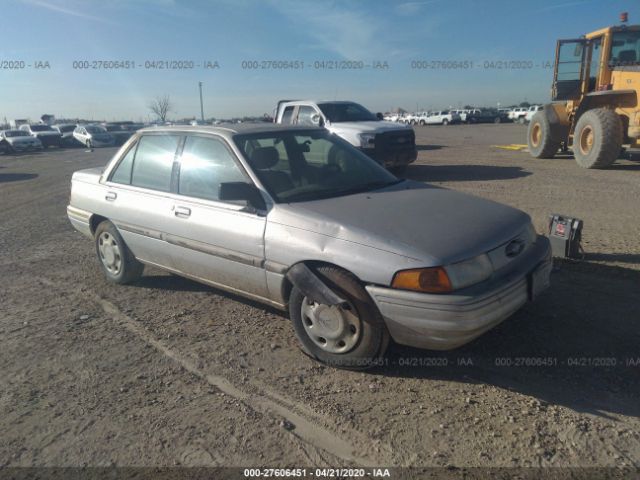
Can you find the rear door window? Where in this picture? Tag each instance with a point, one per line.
(153, 162)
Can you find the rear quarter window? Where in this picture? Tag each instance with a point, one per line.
(122, 172)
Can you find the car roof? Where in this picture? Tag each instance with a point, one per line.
(230, 129)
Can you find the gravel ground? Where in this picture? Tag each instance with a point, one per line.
(169, 372)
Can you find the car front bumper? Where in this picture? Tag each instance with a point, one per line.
(391, 158)
(444, 322)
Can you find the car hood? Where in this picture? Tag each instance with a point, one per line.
(435, 225)
(360, 127)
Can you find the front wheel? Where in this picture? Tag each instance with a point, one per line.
(598, 138)
(117, 261)
(351, 336)
(497, 120)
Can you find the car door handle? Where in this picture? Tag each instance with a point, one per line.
(182, 212)
(111, 196)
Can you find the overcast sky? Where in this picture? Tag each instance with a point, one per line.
(53, 34)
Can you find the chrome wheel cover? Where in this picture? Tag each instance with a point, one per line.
(333, 328)
(109, 251)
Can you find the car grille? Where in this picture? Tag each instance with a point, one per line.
(400, 141)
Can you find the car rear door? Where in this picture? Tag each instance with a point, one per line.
(218, 241)
(137, 196)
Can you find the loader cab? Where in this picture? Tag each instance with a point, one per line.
(585, 65)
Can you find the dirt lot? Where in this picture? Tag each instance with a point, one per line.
(169, 372)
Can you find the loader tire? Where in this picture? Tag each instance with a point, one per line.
(539, 137)
(598, 138)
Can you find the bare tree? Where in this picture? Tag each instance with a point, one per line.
(160, 106)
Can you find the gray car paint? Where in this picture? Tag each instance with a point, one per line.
(373, 235)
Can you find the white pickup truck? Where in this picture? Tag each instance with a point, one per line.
(390, 144)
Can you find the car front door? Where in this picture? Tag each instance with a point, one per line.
(220, 242)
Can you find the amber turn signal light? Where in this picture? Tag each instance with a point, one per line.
(429, 280)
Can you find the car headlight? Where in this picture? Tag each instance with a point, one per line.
(367, 140)
(469, 272)
(444, 279)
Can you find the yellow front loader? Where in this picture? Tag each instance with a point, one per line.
(594, 109)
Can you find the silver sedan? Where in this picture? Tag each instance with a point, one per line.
(299, 219)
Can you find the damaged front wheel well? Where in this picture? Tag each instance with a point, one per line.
(331, 283)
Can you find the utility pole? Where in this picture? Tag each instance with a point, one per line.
(201, 106)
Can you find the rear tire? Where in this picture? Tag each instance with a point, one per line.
(117, 261)
(497, 120)
(361, 336)
(445, 122)
(539, 137)
(598, 138)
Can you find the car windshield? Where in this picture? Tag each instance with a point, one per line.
(94, 129)
(41, 128)
(625, 48)
(113, 128)
(346, 112)
(297, 166)
(16, 133)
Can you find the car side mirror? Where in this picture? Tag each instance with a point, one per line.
(317, 120)
(238, 191)
(379, 116)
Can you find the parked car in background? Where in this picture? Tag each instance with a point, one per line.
(390, 144)
(119, 132)
(440, 117)
(487, 116)
(93, 136)
(47, 135)
(464, 113)
(19, 141)
(412, 118)
(299, 219)
(515, 114)
(531, 112)
(66, 133)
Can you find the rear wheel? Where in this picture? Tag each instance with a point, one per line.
(118, 263)
(522, 120)
(445, 122)
(350, 336)
(497, 120)
(598, 138)
(422, 122)
(539, 137)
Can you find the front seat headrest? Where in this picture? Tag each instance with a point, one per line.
(264, 158)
